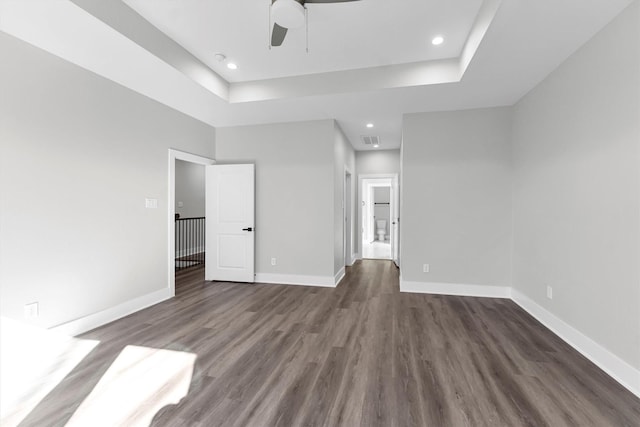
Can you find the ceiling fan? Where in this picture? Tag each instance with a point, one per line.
(291, 14)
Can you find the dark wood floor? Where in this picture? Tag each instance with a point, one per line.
(362, 354)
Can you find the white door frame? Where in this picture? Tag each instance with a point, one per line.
(347, 211)
(393, 230)
(368, 212)
(395, 221)
(191, 158)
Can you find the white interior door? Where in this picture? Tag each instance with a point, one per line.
(230, 204)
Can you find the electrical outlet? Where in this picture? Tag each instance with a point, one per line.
(273, 261)
(549, 292)
(425, 268)
(31, 310)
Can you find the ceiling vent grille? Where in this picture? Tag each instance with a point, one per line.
(370, 140)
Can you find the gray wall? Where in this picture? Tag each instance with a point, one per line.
(382, 161)
(577, 189)
(344, 160)
(294, 192)
(190, 189)
(373, 162)
(79, 156)
(456, 197)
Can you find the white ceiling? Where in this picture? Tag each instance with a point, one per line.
(342, 36)
(525, 41)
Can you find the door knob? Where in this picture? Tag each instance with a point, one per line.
(247, 229)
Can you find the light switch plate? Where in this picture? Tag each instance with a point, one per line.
(151, 203)
(31, 310)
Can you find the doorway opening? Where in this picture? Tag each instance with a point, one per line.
(190, 215)
(379, 216)
(186, 211)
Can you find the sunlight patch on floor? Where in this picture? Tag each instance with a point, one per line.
(33, 361)
(136, 386)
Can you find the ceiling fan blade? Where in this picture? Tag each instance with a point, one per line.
(277, 35)
(328, 1)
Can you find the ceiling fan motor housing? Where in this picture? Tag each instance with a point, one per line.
(288, 13)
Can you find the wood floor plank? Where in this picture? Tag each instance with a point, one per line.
(278, 399)
(325, 389)
(289, 408)
(362, 354)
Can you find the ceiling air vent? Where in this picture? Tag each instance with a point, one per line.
(370, 140)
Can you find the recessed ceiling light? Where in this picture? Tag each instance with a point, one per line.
(369, 125)
(437, 40)
(232, 66)
(220, 57)
(375, 146)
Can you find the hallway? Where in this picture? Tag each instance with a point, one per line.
(376, 250)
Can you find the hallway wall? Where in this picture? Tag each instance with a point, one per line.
(344, 160)
(190, 189)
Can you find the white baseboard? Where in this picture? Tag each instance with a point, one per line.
(354, 257)
(92, 321)
(339, 276)
(618, 369)
(455, 289)
(295, 279)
